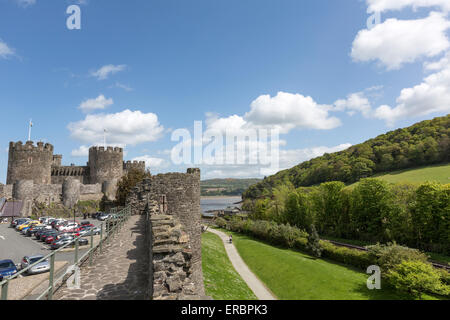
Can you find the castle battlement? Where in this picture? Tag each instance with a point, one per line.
(29, 146)
(129, 165)
(98, 149)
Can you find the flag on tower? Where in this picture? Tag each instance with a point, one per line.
(29, 130)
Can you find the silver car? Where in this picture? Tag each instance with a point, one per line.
(43, 266)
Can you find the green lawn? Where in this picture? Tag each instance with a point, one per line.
(438, 173)
(291, 275)
(221, 280)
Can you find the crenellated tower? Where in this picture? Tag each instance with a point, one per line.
(30, 162)
(133, 165)
(105, 164)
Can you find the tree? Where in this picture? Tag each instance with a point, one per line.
(415, 278)
(128, 182)
(313, 243)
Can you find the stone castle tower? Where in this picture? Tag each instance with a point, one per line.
(35, 174)
(39, 164)
(105, 164)
(30, 162)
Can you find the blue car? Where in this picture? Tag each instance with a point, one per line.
(7, 268)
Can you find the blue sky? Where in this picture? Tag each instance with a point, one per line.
(172, 62)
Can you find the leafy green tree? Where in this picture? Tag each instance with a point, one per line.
(416, 278)
(297, 210)
(371, 206)
(328, 206)
(128, 182)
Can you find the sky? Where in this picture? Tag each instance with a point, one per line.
(325, 74)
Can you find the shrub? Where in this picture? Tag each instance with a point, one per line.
(415, 278)
(392, 254)
(445, 276)
(314, 243)
(353, 257)
(221, 222)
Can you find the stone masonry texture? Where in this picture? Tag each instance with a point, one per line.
(172, 202)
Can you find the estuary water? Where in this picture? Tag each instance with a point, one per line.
(218, 203)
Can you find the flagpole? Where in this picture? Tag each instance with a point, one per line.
(29, 130)
(104, 138)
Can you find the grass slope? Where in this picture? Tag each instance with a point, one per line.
(221, 281)
(292, 275)
(439, 173)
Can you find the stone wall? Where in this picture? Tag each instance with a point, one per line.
(6, 191)
(60, 173)
(47, 193)
(173, 202)
(91, 192)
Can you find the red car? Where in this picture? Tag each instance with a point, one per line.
(50, 239)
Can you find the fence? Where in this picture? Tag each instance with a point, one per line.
(105, 237)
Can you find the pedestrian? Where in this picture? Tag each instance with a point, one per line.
(231, 238)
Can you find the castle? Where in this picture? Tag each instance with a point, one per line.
(35, 174)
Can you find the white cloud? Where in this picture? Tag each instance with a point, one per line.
(432, 95)
(122, 86)
(151, 162)
(123, 128)
(396, 42)
(25, 3)
(5, 50)
(438, 65)
(82, 151)
(288, 159)
(287, 111)
(355, 102)
(98, 103)
(105, 71)
(386, 5)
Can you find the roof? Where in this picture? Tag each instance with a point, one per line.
(11, 209)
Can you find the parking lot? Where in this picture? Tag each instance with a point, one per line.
(14, 245)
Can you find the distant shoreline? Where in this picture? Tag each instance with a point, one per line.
(220, 197)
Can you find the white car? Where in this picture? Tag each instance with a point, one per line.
(69, 226)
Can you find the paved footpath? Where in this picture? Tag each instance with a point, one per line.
(120, 272)
(258, 288)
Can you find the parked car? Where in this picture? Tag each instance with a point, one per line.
(18, 221)
(69, 226)
(57, 222)
(97, 215)
(7, 268)
(31, 231)
(43, 266)
(28, 224)
(47, 234)
(103, 217)
(40, 234)
(61, 242)
(88, 231)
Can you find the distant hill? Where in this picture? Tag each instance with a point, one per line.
(226, 187)
(422, 144)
